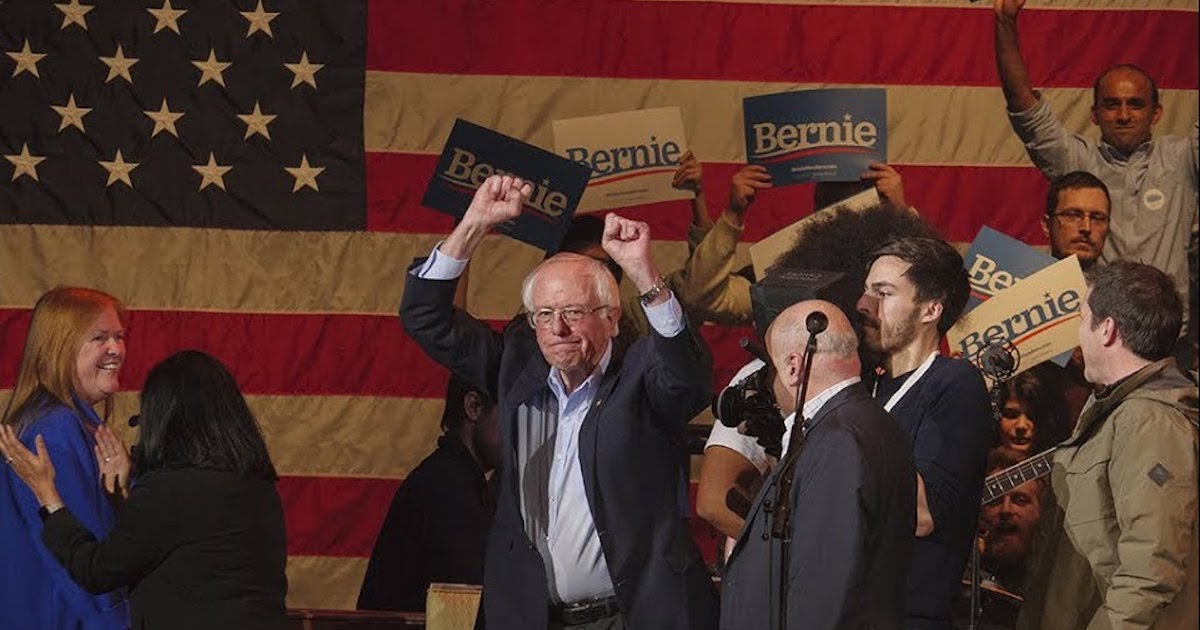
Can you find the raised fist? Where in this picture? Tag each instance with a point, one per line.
(498, 199)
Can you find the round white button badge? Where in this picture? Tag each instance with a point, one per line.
(1154, 199)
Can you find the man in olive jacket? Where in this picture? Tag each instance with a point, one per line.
(1126, 478)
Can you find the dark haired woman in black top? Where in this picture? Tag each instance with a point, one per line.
(200, 542)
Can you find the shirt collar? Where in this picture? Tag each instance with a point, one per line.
(814, 404)
(1114, 155)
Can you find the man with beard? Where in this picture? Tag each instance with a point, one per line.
(1077, 217)
(1008, 525)
(915, 290)
(849, 485)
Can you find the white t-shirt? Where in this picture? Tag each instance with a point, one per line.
(745, 445)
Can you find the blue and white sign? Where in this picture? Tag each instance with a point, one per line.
(997, 261)
(474, 153)
(816, 135)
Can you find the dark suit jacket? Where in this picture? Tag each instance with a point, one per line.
(198, 548)
(854, 498)
(630, 452)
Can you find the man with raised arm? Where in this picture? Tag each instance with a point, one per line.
(590, 528)
(1153, 182)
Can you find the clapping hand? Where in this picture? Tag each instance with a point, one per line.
(115, 463)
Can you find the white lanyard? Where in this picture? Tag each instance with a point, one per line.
(908, 383)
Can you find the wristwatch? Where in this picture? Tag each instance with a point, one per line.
(652, 293)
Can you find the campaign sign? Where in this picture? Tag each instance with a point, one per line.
(1039, 315)
(816, 135)
(632, 156)
(995, 262)
(474, 153)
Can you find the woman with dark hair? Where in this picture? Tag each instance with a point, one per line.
(71, 366)
(200, 541)
(1033, 412)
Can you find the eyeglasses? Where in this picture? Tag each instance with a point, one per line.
(1075, 217)
(571, 315)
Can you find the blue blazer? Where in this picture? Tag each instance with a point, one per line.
(35, 590)
(631, 451)
(853, 517)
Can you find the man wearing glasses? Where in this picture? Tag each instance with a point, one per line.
(589, 530)
(1076, 220)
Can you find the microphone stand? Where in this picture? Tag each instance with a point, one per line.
(782, 516)
(998, 361)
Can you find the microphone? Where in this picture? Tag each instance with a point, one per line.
(998, 360)
(816, 322)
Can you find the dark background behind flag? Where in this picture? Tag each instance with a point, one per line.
(297, 290)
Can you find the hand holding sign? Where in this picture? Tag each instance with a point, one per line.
(628, 244)
(498, 200)
(687, 176)
(889, 184)
(744, 187)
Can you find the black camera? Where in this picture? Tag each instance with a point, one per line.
(751, 402)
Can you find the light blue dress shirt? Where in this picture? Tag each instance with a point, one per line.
(575, 565)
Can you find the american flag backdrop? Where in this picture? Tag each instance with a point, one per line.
(246, 175)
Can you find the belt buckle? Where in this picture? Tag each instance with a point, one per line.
(588, 611)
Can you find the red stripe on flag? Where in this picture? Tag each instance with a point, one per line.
(303, 354)
(957, 199)
(746, 42)
(298, 354)
(334, 516)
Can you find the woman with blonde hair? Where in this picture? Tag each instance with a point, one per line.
(72, 361)
(201, 543)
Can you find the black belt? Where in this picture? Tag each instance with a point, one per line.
(583, 612)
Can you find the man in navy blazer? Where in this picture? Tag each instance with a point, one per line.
(590, 527)
(853, 496)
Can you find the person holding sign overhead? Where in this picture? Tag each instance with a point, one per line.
(590, 527)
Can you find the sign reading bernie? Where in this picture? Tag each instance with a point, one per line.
(997, 261)
(1039, 315)
(632, 156)
(816, 135)
(474, 153)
